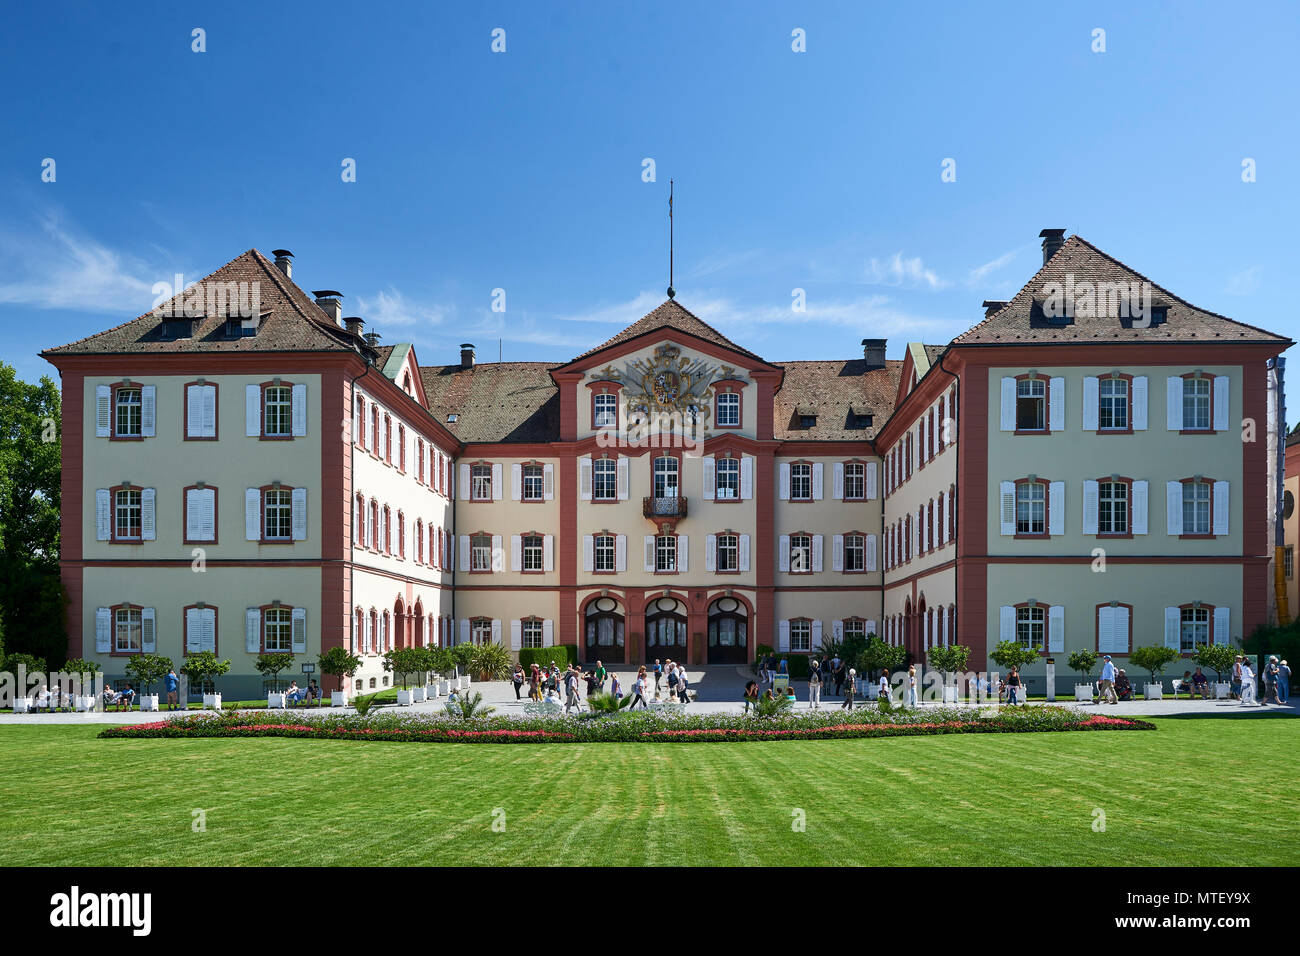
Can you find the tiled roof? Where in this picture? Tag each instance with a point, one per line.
(495, 401)
(1019, 321)
(673, 315)
(833, 389)
(291, 321)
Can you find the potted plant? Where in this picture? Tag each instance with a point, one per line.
(1011, 654)
(83, 674)
(1153, 659)
(878, 656)
(1218, 658)
(490, 662)
(272, 664)
(148, 669)
(404, 661)
(461, 656)
(438, 660)
(948, 661)
(1082, 662)
(338, 662)
(202, 667)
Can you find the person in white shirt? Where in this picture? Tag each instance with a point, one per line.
(1247, 683)
(884, 685)
(1106, 687)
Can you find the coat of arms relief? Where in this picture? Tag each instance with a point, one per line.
(669, 384)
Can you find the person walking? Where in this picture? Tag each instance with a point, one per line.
(638, 690)
(671, 670)
(517, 678)
(172, 684)
(1013, 686)
(839, 671)
(535, 683)
(1284, 680)
(1270, 681)
(848, 691)
(683, 684)
(659, 671)
(1248, 688)
(571, 690)
(1236, 678)
(911, 686)
(882, 693)
(1106, 686)
(601, 675)
(815, 685)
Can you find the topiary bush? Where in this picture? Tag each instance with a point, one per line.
(561, 654)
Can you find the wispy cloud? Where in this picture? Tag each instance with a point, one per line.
(618, 313)
(50, 265)
(980, 272)
(389, 308)
(898, 271)
(1246, 281)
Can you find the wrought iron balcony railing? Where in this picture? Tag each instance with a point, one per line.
(673, 507)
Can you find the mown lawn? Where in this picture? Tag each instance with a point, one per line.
(1192, 792)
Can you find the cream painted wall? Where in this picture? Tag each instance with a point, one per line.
(827, 517)
(235, 462)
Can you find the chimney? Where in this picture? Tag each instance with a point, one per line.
(1053, 239)
(467, 355)
(993, 305)
(328, 300)
(873, 352)
(354, 324)
(284, 261)
(372, 339)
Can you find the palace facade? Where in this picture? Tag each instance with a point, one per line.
(248, 480)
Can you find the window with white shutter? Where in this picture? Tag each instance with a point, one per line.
(200, 411)
(200, 514)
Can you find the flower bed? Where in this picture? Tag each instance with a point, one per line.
(628, 728)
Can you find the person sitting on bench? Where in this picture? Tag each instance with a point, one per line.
(1200, 685)
(1123, 689)
(295, 694)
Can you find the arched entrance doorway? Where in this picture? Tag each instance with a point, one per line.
(603, 632)
(399, 625)
(665, 629)
(728, 632)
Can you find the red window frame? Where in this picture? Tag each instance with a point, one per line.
(1206, 480)
(1190, 605)
(604, 387)
(1129, 379)
(491, 556)
(854, 534)
(113, 537)
(388, 439)
(1107, 479)
(729, 387)
(216, 627)
(185, 413)
(613, 545)
(523, 547)
(1096, 628)
(801, 534)
(216, 514)
(261, 412)
(523, 482)
(1047, 626)
(419, 541)
(401, 535)
(112, 633)
(1047, 506)
(1047, 405)
(491, 482)
(811, 480)
(263, 539)
(845, 464)
(401, 448)
(358, 422)
(1185, 431)
(727, 454)
(717, 551)
(112, 412)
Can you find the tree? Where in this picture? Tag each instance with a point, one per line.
(148, 669)
(1082, 662)
(203, 666)
(1218, 658)
(30, 590)
(1153, 659)
(405, 661)
(877, 655)
(1011, 654)
(949, 660)
(490, 661)
(29, 662)
(440, 659)
(338, 662)
(272, 664)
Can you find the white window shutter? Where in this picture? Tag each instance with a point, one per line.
(1106, 629)
(1090, 503)
(1008, 419)
(548, 552)
(103, 630)
(516, 552)
(298, 513)
(871, 553)
(815, 641)
(837, 481)
(710, 558)
(1174, 507)
(496, 631)
(1056, 507)
(516, 482)
(464, 482)
(193, 515)
(194, 395)
(252, 514)
(1222, 625)
(1056, 629)
(253, 411)
(783, 637)
(148, 410)
(1174, 403)
(498, 555)
(298, 631)
(584, 479)
(548, 482)
(1220, 507)
(1119, 631)
(871, 480)
(624, 479)
(683, 553)
(817, 553)
(650, 553)
(516, 635)
(497, 472)
(1140, 507)
(209, 395)
(837, 552)
(588, 552)
(548, 633)
(193, 630)
(253, 630)
(464, 553)
(1006, 623)
(103, 514)
(103, 411)
(817, 481)
(746, 477)
(783, 550)
(1222, 392)
(1056, 404)
(785, 481)
(706, 464)
(1139, 403)
(744, 552)
(837, 630)
(620, 552)
(1007, 496)
(1091, 401)
(298, 411)
(1173, 624)
(464, 630)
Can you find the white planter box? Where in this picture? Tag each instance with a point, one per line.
(211, 701)
(431, 692)
(1083, 692)
(338, 698)
(148, 701)
(417, 694)
(22, 705)
(950, 695)
(1222, 691)
(275, 700)
(405, 698)
(85, 704)
(444, 688)
(462, 683)
(1153, 691)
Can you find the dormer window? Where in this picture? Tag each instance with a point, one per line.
(452, 418)
(857, 421)
(807, 421)
(238, 328)
(182, 328)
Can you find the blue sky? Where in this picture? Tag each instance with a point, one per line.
(522, 170)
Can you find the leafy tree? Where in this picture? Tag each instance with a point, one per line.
(950, 659)
(462, 655)
(1011, 654)
(1082, 662)
(30, 590)
(1153, 659)
(148, 669)
(877, 655)
(440, 659)
(405, 661)
(30, 662)
(338, 662)
(1218, 658)
(203, 666)
(272, 664)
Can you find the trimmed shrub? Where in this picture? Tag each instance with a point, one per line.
(561, 654)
